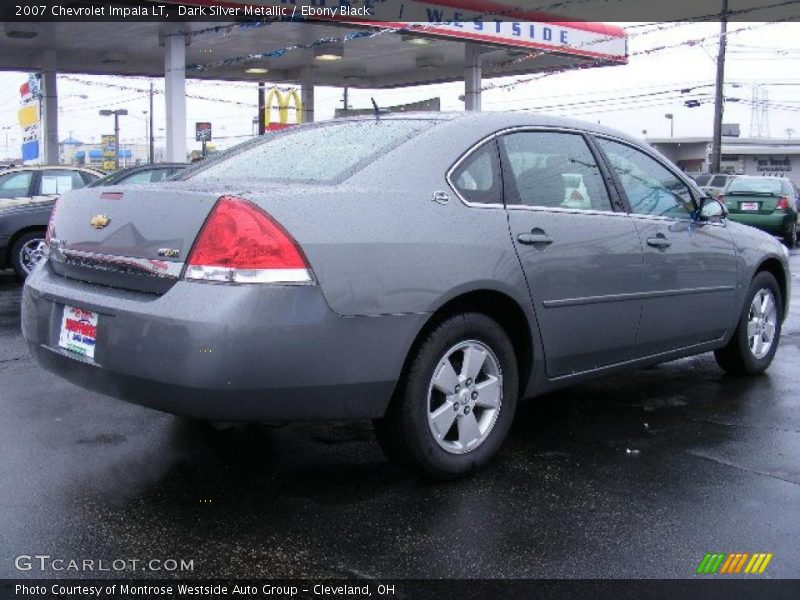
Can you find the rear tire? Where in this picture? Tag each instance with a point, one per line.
(453, 408)
(26, 252)
(790, 237)
(755, 341)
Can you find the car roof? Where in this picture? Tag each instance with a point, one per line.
(505, 119)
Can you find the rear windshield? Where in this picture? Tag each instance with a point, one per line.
(324, 153)
(755, 185)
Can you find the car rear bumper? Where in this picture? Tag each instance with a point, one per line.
(776, 223)
(223, 352)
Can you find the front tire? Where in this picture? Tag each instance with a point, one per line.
(454, 406)
(755, 341)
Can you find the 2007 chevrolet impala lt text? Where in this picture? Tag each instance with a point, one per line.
(422, 271)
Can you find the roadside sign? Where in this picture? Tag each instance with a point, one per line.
(202, 132)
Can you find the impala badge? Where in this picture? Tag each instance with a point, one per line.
(100, 221)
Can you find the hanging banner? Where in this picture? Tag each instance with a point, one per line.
(28, 117)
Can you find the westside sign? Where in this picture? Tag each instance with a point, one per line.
(483, 21)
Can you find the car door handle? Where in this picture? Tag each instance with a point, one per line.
(659, 242)
(536, 236)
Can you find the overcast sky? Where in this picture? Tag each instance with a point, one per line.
(633, 98)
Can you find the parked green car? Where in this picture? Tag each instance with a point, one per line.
(767, 203)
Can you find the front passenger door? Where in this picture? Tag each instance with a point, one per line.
(581, 257)
(689, 266)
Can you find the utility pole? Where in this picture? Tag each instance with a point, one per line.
(716, 144)
(152, 139)
(346, 100)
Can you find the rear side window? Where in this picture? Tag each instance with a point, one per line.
(477, 178)
(323, 153)
(702, 179)
(60, 181)
(551, 169)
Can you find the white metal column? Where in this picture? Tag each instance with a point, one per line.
(49, 107)
(175, 92)
(472, 77)
(307, 94)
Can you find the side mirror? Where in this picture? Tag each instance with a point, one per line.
(712, 209)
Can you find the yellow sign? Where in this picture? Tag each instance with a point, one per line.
(108, 143)
(283, 106)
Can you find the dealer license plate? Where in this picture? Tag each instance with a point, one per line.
(78, 331)
(749, 206)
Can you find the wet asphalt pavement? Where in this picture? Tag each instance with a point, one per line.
(636, 475)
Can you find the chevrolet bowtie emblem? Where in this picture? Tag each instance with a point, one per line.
(100, 221)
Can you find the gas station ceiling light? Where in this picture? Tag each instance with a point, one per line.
(21, 31)
(256, 70)
(430, 61)
(416, 41)
(332, 51)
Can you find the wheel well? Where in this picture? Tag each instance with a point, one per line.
(500, 307)
(773, 266)
(18, 235)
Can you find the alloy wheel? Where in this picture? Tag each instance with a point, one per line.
(761, 323)
(31, 253)
(465, 397)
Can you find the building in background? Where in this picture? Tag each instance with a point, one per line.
(740, 156)
(75, 152)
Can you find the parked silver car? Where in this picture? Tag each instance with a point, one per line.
(425, 271)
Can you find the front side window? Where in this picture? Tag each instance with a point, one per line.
(552, 170)
(316, 154)
(477, 178)
(15, 185)
(651, 188)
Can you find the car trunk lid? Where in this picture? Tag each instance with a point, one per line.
(135, 238)
(751, 203)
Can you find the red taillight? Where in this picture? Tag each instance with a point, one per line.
(241, 243)
(51, 224)
(783, 204)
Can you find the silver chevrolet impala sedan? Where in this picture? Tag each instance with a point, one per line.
(425, 271)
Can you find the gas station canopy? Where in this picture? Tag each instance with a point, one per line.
(437, 41)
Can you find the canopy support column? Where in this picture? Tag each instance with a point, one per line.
(49, 116)
(175, 92)
(307, 94)
(472, 77)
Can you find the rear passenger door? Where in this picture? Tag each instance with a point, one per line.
(580, 253)
(689, 265)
